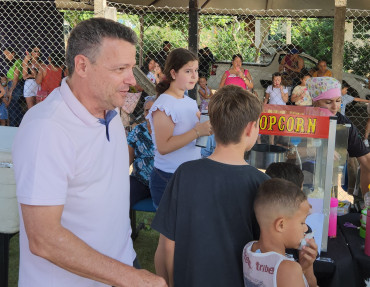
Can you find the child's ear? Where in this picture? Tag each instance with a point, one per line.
(173, 74)
(280, 224)
(248, 129)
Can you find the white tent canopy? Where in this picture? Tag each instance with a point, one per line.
(325, 8)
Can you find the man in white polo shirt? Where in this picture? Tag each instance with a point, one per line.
(71, 166)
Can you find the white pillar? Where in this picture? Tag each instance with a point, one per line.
(257, 33)
(348, 36)
(102, 10)
(338, 38)
(110, 13)
(99, 7)
(289, 31)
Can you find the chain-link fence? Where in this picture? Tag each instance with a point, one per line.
(33, 37)
(286, 41)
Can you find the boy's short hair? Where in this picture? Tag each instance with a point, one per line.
(287, 171)
(230, 110)
(279, 195)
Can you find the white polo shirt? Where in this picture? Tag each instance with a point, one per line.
(62, 156)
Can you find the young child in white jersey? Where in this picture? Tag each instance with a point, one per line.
(281, 209)
(174, 118)
(276, 94)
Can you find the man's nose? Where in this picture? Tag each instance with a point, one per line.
(130, 79)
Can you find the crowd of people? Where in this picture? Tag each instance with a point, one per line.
(75, 191)
(28, 80)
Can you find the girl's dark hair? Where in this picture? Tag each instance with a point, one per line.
(237, 56)
(277, 74)
(33, 47)
(175, 61)
(303, 73)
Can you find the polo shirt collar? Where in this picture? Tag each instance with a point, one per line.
(76, 107)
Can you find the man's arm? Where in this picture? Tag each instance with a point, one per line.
(51, 241)
(361, 100)
(163, 259)
(367, 131)
(281, 65)
(365, 173)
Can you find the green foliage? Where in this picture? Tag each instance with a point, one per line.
(315, 36)
(226, 35)
(75, 17)
(356, 58)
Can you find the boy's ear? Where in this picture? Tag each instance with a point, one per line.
(249, 128)
(280, 224)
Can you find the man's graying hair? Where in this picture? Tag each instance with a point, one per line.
(86, 38)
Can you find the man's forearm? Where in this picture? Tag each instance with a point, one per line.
(67, 251)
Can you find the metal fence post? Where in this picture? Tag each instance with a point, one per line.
(338, 38)
(193, 33)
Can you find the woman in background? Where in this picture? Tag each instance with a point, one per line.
(236, 75)
(49, 76)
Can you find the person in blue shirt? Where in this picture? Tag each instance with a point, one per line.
(210, 147)
(141, 154)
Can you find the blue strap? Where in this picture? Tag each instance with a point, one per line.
(108, 117)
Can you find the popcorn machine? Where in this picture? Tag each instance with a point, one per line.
(310, 138)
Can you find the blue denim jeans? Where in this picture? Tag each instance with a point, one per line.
(15, 112)
(158, 182)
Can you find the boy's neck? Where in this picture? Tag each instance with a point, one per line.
(269, 243)
(232, 154)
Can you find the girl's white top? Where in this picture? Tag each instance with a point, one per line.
(183, 113)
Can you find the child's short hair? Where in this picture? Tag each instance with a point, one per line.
(276, 74)
(230, 110)
(287, 171)
(201, 76)
(279, 195)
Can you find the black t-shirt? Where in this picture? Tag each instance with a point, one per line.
(356, 147)
(207, 209)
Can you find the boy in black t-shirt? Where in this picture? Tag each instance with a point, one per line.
(206, 213)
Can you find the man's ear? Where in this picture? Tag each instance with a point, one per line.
(81, 65)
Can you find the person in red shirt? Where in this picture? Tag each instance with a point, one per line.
(49, 76)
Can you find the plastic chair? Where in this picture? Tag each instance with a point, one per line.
(145, 205)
